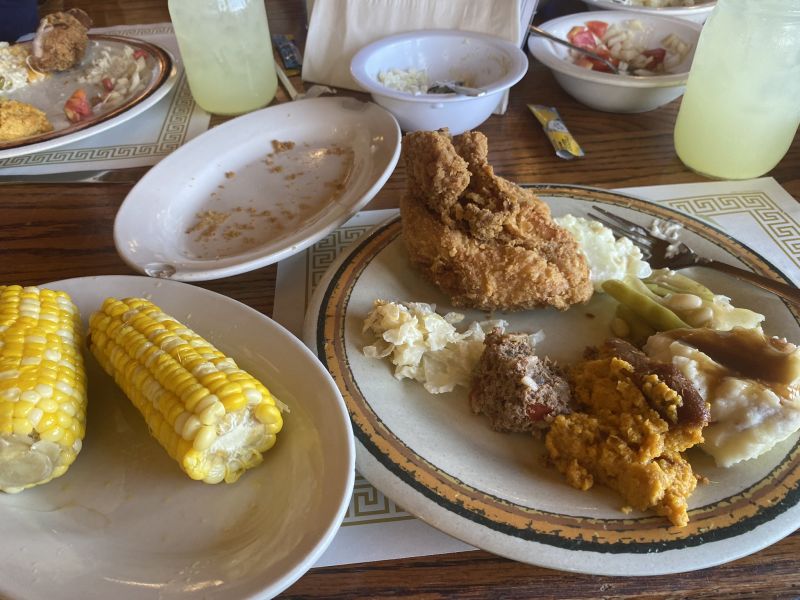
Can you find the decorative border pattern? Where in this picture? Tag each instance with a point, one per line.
(764, 211)
(368, 505)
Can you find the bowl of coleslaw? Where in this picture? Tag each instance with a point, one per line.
(399, 71)
(696, 11)
(653, 55)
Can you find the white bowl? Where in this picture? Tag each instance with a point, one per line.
(697, 14)
(607, 91)
(479, 60)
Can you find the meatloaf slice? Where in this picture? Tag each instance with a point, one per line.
(516, 389)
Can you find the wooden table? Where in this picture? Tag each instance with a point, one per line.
(50, 232)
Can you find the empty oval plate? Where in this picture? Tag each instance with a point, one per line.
(257, 189)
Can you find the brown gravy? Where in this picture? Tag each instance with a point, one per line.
(746, 352)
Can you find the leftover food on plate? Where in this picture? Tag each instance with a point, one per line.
(693, 371)
(425, 346)
(633, 417)
(607, 256)
(752, 383)
(20, 120)
(668, 300)
(626, 46)
(118, 73)
(516, 389)
(60, 41)
(484, 241)
(77, 107)
(67, 77)
(42, 386)
(14, 71)
(213, 418)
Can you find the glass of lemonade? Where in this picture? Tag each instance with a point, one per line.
(741, 108)
(227, 53)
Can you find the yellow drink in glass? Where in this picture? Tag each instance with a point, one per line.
(741, 108)
(227, 53)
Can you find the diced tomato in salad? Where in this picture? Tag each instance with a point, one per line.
(598, 28)
(77, 107)
(591, 36)
(658, 55)
(582, 37)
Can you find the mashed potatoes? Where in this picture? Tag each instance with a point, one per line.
(608, 258)
(749, 416)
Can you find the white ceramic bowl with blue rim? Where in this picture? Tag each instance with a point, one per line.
(478, 59)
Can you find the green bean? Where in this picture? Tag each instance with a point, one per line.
(659, 317)
(680, 283)
(639, 286)
(658, 290)
(639, 329)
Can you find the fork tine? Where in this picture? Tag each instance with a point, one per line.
(630, 225)
(645, 242)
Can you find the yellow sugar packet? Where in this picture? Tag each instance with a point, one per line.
(558, 134)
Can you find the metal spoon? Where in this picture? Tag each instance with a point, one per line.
(589, 53)
(454, 87)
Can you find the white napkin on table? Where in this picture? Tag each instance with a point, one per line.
(337, 29)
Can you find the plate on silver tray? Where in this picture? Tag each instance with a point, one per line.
(442, 463)
(50, 93)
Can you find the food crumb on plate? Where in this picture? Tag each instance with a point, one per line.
(279, 146)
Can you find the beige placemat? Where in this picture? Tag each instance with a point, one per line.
(758, 212)
(139, 142)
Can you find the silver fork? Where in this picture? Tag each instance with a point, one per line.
(665, 254)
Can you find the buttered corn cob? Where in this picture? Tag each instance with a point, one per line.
(42, 386)
(213, 418)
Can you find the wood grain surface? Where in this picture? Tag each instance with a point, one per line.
(50, 232)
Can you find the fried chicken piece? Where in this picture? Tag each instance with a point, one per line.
(20, 120)
(486, 242)
(60, 41)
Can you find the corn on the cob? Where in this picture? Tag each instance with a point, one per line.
(213, 418)
(42, 386)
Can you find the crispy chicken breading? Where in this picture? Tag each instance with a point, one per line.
(60, 41)
(486, 242)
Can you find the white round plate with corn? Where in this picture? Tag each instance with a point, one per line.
(125, 520)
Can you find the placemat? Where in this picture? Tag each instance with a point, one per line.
(139, 142)
(758, 212)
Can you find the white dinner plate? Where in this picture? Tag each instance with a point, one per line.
(257, 189)
(50, 94)
(126, 522)
(436, 459)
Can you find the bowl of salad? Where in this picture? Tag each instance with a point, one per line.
(692, 10)
(652, 56)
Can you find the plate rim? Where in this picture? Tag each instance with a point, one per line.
(427, 506)
(157, 89)
(300, 566)
(150, 180)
